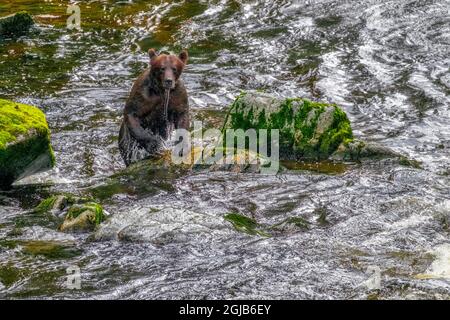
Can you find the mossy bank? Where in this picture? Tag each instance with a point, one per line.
(25, 146)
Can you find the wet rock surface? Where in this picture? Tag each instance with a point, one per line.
(25, 147)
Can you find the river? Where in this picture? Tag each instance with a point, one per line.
(386, 63)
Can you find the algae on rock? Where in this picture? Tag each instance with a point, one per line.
(25, 146)
(157, 174)
(307, 130)
(82, 218)
(310, 131)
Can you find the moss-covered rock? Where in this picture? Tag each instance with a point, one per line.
(24, 142)
(250, 226)
(58, 203)
(307, 130)
(15, 24)
(245, 224)
(49, 249)
(83, 218)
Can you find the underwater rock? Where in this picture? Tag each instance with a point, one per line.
(310, 131)
(25, 146)
(159, 173)
(250, 226)
(245, 224)
(162, 226)
(83, 218)
(58, 203)
(15, 24)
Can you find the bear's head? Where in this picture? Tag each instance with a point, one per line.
(167, 68)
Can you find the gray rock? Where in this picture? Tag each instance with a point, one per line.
(167, 225)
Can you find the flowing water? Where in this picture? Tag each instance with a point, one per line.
(387, 63)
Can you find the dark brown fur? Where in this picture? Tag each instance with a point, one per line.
(144, 127)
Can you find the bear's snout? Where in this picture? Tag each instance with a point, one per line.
(169, 84)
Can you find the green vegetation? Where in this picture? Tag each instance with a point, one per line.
(308, 130)
(82, 218)
(244, 224)
(15, 24)
(250, 226)
(24, 142)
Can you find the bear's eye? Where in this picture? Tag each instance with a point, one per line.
(163, 69)
(174, 70)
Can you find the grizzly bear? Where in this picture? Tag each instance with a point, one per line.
(158, 104)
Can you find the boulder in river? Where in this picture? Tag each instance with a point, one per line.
(162, 226)
(25, 146)
(307, 130)
(15, 24)
(310, 131)
(58, 203)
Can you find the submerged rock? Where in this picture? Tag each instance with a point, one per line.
(24, 142)
(56, 204)
(310, 131)
(250, 226)
(245, 224)
(161, 226)
(83, 218)
(159, 173)
(15, 24)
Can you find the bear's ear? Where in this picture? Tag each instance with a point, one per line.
(152, 54)
(183, 56)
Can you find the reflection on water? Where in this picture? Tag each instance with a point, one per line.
(385, 62)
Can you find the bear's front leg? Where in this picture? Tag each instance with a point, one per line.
(154, 146)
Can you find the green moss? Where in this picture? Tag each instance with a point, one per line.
(97, 218)
(24, 139)
(62, 200)
(10, 244)
(16, 24)
(50, 249)
(244, 224)
(307, 130)
(18, 119)
(9, 274)
(46, 205)
(325, 166)
(404, 161)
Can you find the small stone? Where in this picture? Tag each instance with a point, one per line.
(83, 218)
